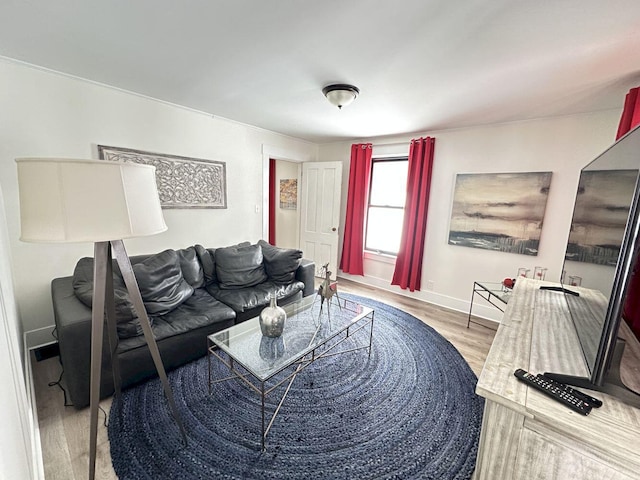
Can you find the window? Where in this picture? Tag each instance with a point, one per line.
(385, 210)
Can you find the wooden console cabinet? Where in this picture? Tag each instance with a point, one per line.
(527, 435)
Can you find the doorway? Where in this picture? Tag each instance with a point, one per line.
(318, 205)
(284, 202)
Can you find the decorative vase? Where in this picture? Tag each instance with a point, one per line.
(272, 319)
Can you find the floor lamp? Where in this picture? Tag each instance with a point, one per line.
(67, 200)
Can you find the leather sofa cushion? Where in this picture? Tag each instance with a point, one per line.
(131, 328)
(280, 263)
(207, 258)
(192, 270)
(161, 283)
(199, 310)
(239, 266)
(243, 299)
(83, 289)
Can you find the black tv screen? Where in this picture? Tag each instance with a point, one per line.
(600, 253)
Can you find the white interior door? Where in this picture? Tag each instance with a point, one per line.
(320, 213)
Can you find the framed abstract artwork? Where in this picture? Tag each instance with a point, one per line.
(499, 211)
(289, 194)
(183, 182)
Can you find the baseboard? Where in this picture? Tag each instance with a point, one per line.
(482, 311)
(39, 337)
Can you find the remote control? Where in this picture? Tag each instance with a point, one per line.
(545, 386)
(560, 289)
(594, 402)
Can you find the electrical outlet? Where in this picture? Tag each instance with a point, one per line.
(430, 284)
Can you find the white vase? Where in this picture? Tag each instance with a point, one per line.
(272, 319)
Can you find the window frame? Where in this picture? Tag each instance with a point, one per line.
(394, 158)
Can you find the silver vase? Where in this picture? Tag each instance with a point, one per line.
(272, 319)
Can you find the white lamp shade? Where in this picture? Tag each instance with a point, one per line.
(71, 200)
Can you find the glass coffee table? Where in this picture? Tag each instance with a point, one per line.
(312, 331)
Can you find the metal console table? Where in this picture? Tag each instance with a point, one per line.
(492, 292)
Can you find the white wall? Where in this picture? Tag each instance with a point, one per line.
(48, 114)
(19, 440)
(561, 145)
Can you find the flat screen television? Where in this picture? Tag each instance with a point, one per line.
(601, 251)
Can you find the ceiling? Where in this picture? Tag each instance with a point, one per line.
(421, 65)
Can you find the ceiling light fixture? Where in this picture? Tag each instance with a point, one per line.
(340, 94)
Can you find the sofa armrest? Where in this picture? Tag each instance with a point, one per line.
(73, 326)
(306, 274)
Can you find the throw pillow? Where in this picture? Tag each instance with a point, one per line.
(83, 288)
(207, 257)
(240, 266)
(280, 263)
(161, 283)
(191, 268)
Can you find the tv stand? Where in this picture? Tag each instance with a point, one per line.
(526, 434)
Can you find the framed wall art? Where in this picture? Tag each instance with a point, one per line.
(499, 211)
(289, 194)
(183, 182)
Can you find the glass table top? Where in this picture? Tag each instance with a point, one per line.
(496, 289)
(305, 329)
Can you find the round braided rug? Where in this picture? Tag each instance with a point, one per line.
(408, 411)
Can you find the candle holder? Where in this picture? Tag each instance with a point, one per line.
(539, 273)
(575, 281)
(523, 272)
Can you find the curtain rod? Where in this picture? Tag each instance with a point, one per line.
(391, 144)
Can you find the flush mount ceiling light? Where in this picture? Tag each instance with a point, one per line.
(340, 94)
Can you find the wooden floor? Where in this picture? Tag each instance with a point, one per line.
(64, 431)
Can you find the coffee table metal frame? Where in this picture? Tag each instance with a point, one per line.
(301, 360)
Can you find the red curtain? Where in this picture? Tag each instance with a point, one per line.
(408, 271)
(631, 118)
(272, 201)
(357, 198)
(630, 113)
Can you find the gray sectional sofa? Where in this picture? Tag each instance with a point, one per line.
(188, 293)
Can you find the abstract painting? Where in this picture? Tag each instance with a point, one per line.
(183, 182)
(600, 215)
(289, 194)
(499, 211)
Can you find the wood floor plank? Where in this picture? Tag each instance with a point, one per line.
(65, 431)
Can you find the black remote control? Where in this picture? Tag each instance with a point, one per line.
(560, 289)
(545, 386)
(594, 402)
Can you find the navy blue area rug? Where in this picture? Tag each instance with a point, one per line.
(407, 411)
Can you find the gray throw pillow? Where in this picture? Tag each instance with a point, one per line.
(191, 268)
(207, 257)
(239, 266)
(161, 283)
(83, 288)
(280, 263)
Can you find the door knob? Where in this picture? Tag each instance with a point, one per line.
(333, 229)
